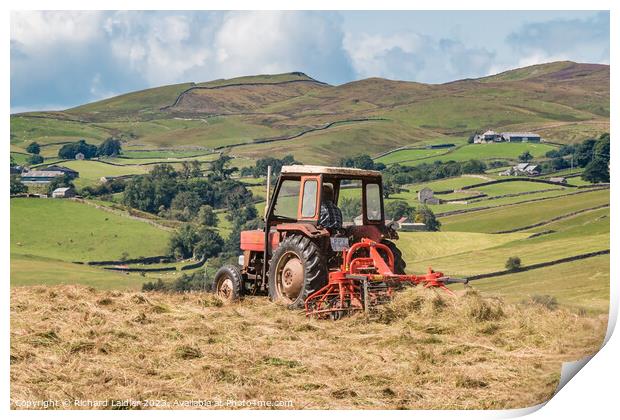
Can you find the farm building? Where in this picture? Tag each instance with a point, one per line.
(488, 136)
(79, 156)
(65, 171)
(426, 196)
(407, 225)
(66, 192)
(522, 169)
(558, 179)
(412, 227)
(40, 177)
(521, 137)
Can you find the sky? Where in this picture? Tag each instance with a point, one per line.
(60, 59)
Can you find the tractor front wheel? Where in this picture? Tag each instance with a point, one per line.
(296, 270)
(228, 282)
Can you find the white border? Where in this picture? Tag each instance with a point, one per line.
(593, 394)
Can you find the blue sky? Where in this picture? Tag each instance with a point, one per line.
(63, 59)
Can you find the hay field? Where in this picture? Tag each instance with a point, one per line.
(425, 350)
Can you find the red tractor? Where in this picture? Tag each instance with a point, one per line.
(328, 258)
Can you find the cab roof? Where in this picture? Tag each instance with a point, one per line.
(329, 170)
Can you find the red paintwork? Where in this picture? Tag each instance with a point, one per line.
(344, 291)
(254, 240)
(307, 229)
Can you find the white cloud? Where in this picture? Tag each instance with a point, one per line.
(276, 42)
(585, 40)
(160, 47)
(413, 56)
(37, 30)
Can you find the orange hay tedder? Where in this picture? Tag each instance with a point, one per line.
(325, 246)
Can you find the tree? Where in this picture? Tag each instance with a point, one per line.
(33, 148)
(109, 147)
(525, 156)
(584, 152)
(390, 187)
(398, 209)
(69, 150)
(597, 170)
(185, 205)
(190, 169)
(191, 241)
(220, 167)
(513, 264)
(183, 241)
(425, 215)
(35, 159)
(559, 163)
(359, 161)
(209, 245)
(17, 186)
(473, 166)
(206, 216)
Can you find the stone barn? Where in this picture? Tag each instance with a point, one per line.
(66, 192)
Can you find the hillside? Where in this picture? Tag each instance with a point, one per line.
(293, 113)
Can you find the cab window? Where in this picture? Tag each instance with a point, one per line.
(308, 203)
(286, 202)
(373, 202)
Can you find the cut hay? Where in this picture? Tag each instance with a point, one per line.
(424, 350)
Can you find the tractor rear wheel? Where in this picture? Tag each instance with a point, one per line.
(228, 282)
(399, 263)
(296, 270)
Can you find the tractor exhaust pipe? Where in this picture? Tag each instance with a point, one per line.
(268, 192)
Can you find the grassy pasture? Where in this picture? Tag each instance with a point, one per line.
(514, 187)
(70, 231)
(576, 285)
(28, 270)
(48, 130)
(161, 154)
(91, 170)
(499, 219)
(487, 151)
(419, 246)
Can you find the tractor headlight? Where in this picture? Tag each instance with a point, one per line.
(241, 260)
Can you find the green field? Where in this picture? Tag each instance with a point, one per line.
(487, 151)
(70, 231)
(519, 215)
(28, 270)
(91, 171)
(577, 285)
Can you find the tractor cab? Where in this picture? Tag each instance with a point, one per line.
(306, 198)
(313, 213)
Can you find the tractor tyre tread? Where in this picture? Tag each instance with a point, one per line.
(315, 270)
(399, 263)
(234, 273)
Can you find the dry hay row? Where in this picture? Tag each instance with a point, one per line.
(424, 350)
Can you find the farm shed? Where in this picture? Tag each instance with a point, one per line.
(79, 156)
(412, 227)
(40, 177)
(521, 137)
(65, 192)
(558, 179)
